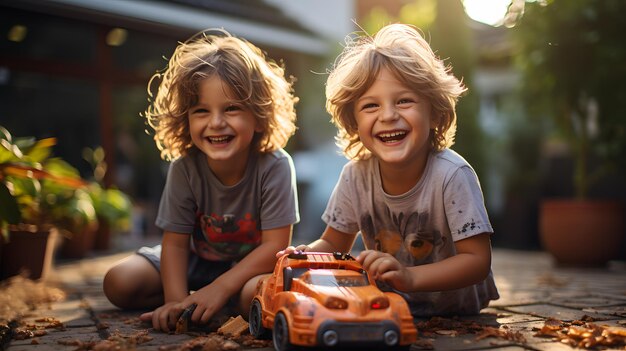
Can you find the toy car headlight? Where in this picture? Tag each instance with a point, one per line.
(379, 303)
(336, 303)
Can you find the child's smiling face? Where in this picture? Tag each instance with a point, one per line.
(220, 125)
(393, 121)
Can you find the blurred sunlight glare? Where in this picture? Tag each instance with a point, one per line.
(17, 33)
(491, 12)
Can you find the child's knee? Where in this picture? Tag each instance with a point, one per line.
(247, 294)
(128, 282)
(116, 288)
(111, 280)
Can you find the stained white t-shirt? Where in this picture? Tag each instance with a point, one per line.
(418, 227)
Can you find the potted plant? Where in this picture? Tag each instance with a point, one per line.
(33, 188)
(18, 172)
(572, 54)
(70, 209)
(113, 207)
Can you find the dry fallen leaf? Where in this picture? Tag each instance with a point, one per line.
(501, 333)
(18, 295)
(453, 327)
(586, 335)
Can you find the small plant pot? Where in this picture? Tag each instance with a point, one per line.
(103, 236)
(79, 244)
(30, 253)
(582, 232)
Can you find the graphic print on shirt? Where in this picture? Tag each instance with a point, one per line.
(405, 237)
(225, 237)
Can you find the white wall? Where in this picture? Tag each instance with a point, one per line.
(332, 19)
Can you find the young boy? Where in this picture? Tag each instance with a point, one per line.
(417, 204)
(222, 113)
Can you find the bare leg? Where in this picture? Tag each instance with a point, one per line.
(247, 293)
(133, 283)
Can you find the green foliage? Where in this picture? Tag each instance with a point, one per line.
(37, 190)
(420, 13)
(9, 211)
(453, 42)
(42, 191)
(377, 18)
(571, 54)
(111, 205)
(68, 207)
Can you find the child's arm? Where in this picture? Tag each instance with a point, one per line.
(174, 258)
(470, 265)
(332, 240)
(261, 260)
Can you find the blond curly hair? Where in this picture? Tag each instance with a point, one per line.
(401, 49)
(258, 82)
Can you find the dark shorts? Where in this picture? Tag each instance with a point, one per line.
(200, 272)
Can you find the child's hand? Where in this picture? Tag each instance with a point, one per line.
(209, 300)
(165, 317)
(292, 249)
(384, 267)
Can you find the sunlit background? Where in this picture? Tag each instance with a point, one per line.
(78, 70)
(491, 12)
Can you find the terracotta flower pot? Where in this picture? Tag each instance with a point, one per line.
(79, 244)
(31, 252)
(582, 232)
(102, 242)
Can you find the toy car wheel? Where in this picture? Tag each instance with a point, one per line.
(281, 333)
(255, 318)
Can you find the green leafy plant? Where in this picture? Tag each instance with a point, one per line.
(572, 54)
(69, 208)
(38, 191)
(111, 204)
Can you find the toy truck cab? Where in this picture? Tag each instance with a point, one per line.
(326, 299)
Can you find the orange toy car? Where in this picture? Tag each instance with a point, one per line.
(327, 299)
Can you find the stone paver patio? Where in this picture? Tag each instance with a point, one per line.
(532, 290)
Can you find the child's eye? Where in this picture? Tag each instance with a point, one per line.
(232, 108)
(404, 101)
(199, 110)
(368, 106)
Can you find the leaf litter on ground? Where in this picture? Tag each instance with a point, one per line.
(584, 334)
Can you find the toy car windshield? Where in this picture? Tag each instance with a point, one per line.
(335, 280)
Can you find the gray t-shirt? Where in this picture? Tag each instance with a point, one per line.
(226, 221)
(417, 227)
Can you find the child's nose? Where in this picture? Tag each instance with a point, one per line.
(388, 113)
(217, 120)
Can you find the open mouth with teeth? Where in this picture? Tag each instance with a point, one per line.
(391, 137)
(221, 139)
